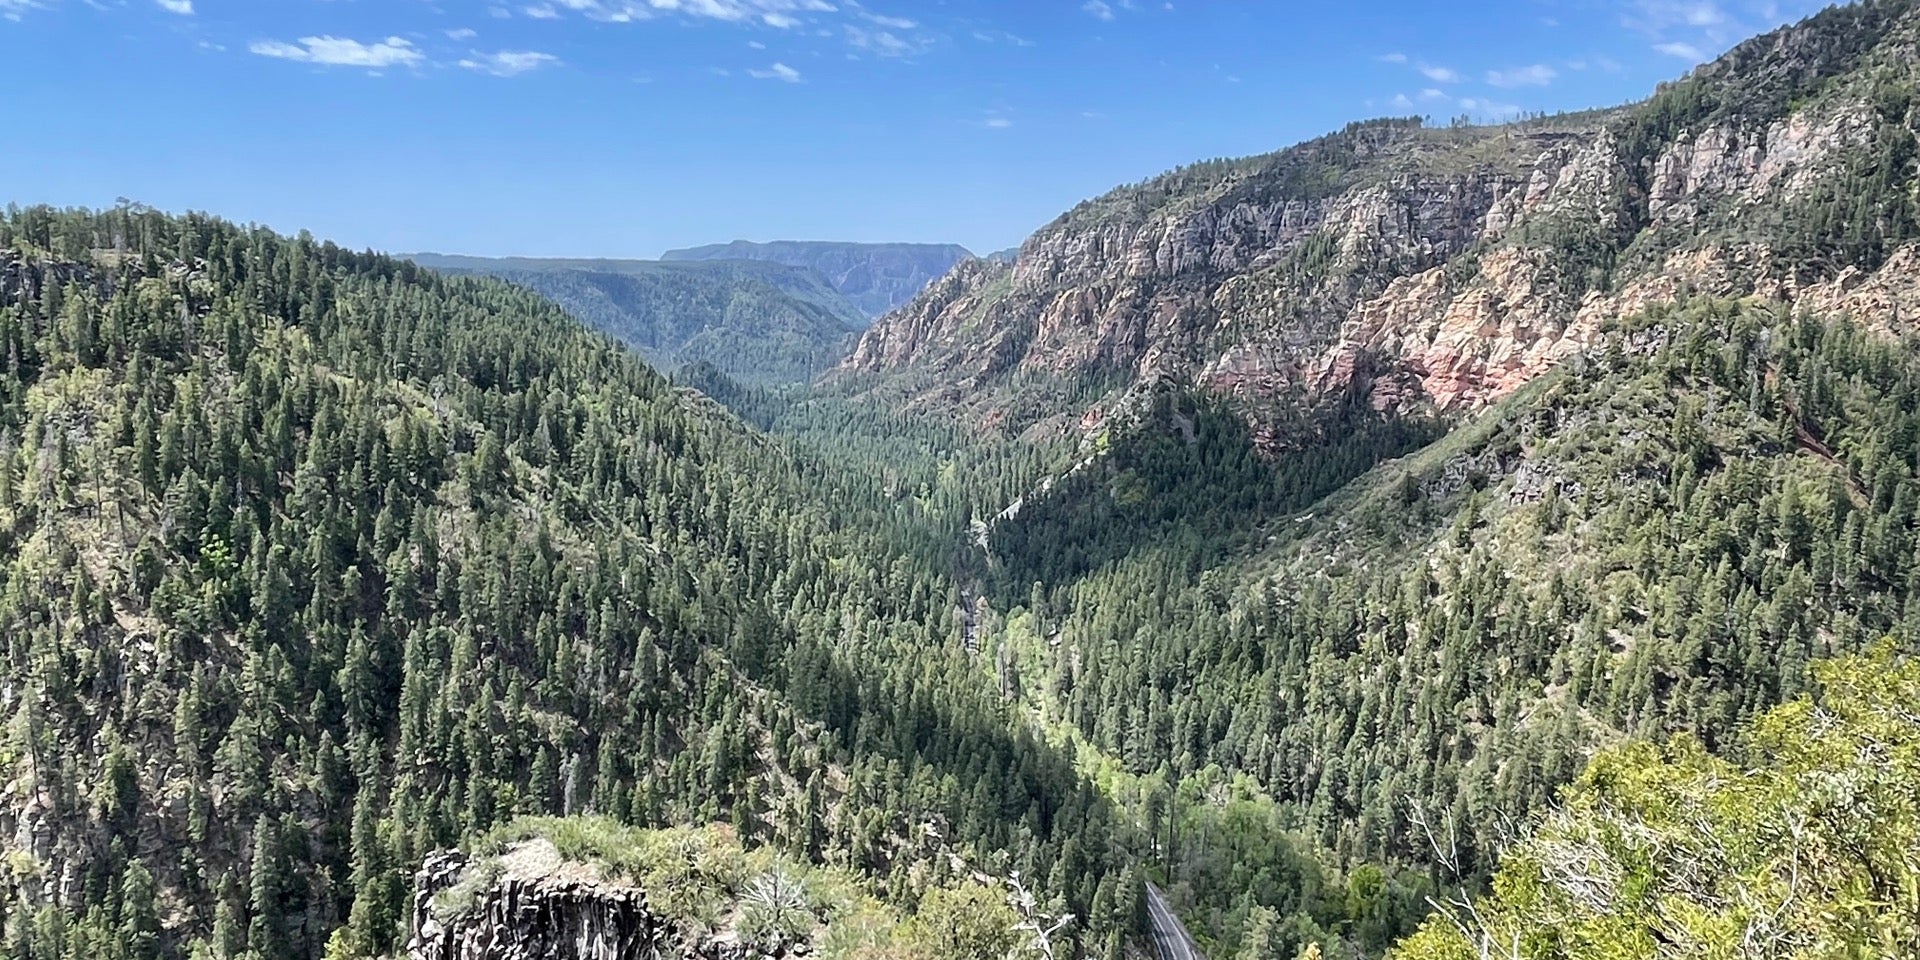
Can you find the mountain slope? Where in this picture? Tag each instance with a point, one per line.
(314, 561)
(876, 277)
(1792, 849)
(1438, 269)
(1662, 537)
(761, 323)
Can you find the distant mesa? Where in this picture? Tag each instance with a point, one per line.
(877, 277)
(759, 323)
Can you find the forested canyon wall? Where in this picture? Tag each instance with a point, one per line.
(1437, 269)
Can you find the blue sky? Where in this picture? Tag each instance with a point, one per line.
(625, 127)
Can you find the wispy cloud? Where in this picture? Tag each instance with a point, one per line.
(778, 71)
(1685, 51)
(1001, 36)
(1439, 74)
(1656, 16)
(1692, 29)
(776, 13)
(883, 43)
(1536, 75)
(1099, 9)
(891, 23)
(1392, 58)
(1488, 109)
(14, 9)
(343, 52)
(868, 31)
(181, 7)
(508, 63)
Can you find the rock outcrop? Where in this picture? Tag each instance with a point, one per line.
(23, 278)
(519, 917)
(1432, 270)
(530, 904)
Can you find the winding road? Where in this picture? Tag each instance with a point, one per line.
(1170, 938)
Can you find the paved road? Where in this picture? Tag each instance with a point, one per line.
(1170, 938)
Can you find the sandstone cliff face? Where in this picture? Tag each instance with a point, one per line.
(1428, 270)
(1776, 162)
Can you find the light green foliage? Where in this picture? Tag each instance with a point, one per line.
(973, 922)
(774, 911)
(1801, 845)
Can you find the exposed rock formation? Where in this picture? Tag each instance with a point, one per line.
(23, 279)
(529, 904)
(1428, 269)
(520, 917)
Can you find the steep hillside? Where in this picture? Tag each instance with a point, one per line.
(876, 277)
(1793, 848)
(1660, 537)
(760, 323)
(312, 562)
(1437, 270)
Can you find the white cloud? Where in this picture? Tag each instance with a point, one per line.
(1488, 109)
(1689, 29)
(778, 13)
(1439, 74)
(998, 123)
(1402, 102)
(1099, 9)
(868, 31)
(464, 33)
(1431, 94)
(778, 71)
(1537, 75)
(508, 63)
(883, 43)
(342, 52)
(1685, 51)
(1664, 14)
(181, 7)
(1392, 58)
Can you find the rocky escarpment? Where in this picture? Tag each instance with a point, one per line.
(1437, 270)
(530, 905)
(523, 918)
(23, 278)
